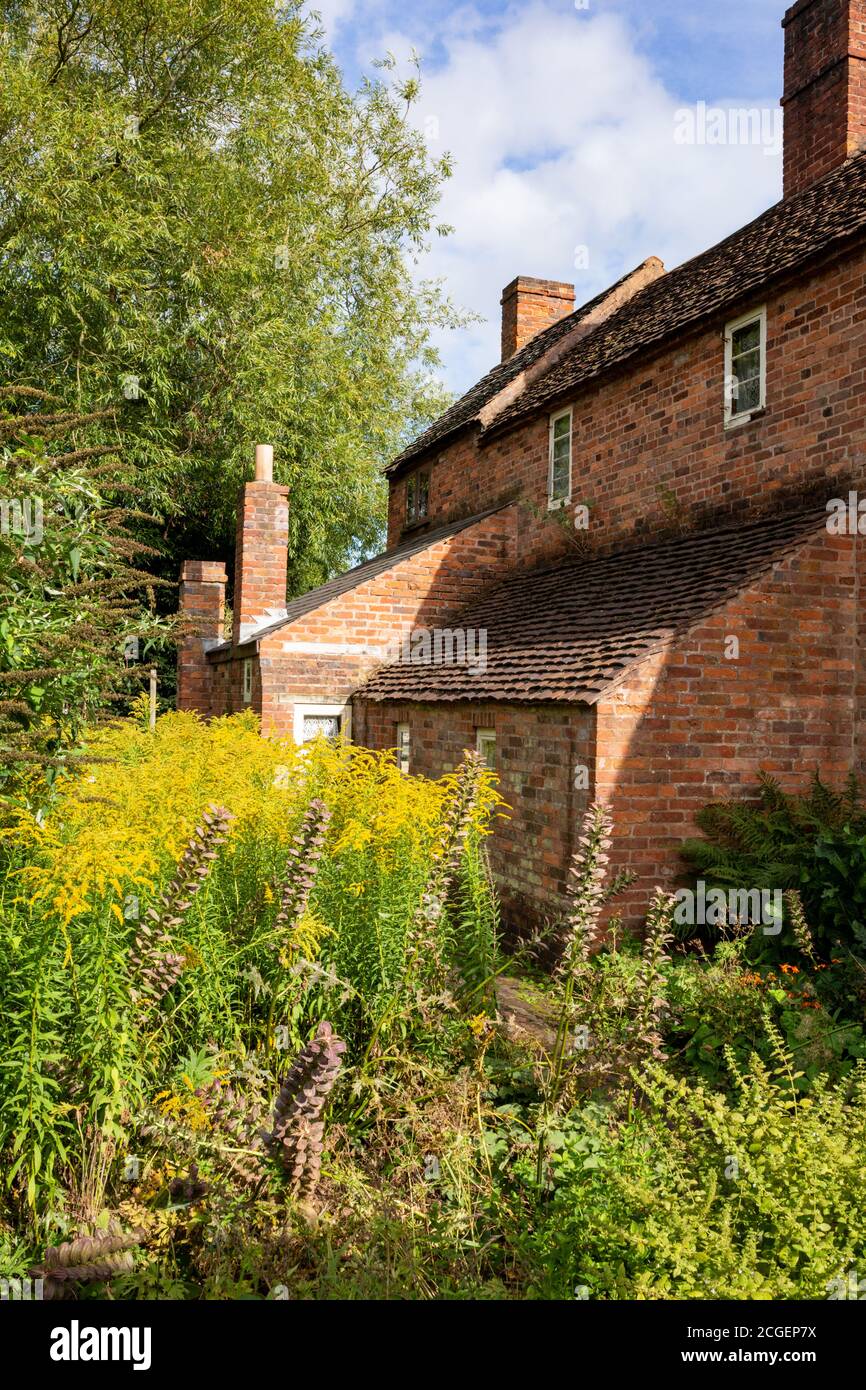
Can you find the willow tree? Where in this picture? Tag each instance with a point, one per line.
(203, 229)
(77, 601)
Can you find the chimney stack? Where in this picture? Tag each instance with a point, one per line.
(261, 554)
(530, 305)
(202, 607)
(825, 88)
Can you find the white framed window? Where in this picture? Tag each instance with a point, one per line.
(745, 366)
(485, 744)
(403, 747)
(248, 680)
(559, 459)
(311, 720)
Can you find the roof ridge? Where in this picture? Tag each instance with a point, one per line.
(520, 360)
(605, 307)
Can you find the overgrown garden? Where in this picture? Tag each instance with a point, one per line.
(259, 1039)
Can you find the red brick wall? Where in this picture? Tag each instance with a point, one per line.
(693, 726)
(538, 749)
(825, 88)
(684, 728)
(324, 656)
(649, 444)
(227, 687)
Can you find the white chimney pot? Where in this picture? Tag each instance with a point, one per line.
(264, 463)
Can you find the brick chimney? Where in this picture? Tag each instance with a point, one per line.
(530, 305)
(202, 607)
(825, 88)
(261, 553)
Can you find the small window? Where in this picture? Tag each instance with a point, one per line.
(485, 743)
(403, 747)
(745, 366)
(417, 498)
(315, 724)
(248, 680)
(329, 720)
(559, 475)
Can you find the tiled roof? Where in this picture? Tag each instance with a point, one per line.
(568, 634)
(343, 583)
(781, 239)
(466, 409)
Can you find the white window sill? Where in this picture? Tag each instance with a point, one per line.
(554, 503)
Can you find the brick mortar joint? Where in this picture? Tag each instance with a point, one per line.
(834, 63)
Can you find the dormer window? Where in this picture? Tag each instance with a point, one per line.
(745, 366)
(559, 460)
(417, 498)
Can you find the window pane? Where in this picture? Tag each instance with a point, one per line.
(746, 338)
(560, 457)
(747, 365)
(403, 747)
(747, 395)
(559, 479)
(327, 724)
(487, 748)
(410, 500)
(423, 493)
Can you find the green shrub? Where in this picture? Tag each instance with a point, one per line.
(756, 1195)
(815, 843)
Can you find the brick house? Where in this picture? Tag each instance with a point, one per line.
(611, 566)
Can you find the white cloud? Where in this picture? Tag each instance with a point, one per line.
(332, 13)
(562, 135)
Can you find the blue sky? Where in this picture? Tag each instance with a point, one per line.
(574, 160)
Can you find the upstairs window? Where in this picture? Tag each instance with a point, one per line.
(559, 466)
(417, 498)
(403, 748)
(745, 366)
